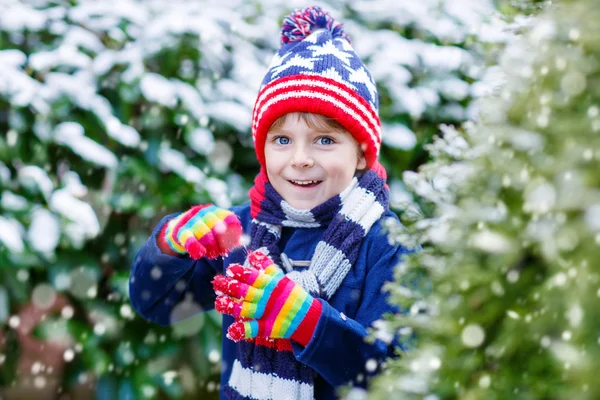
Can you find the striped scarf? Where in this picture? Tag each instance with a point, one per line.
(265, 368)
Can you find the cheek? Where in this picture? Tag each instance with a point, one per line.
(339, 170)
(273, 167)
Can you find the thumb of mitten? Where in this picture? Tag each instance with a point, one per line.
(194, 248)
(227, 232)
(241, 330)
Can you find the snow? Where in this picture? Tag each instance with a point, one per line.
(398, 136)
(472, 335)
(123, 133)
(104, 15)
(20, 17)
(63, 56)
(72, 183)
(524, 140)
(12, 58)
(452, 88)
(158, 89)
(592, 217)
(83, 223)
(190, 98)
(13, 202)
(71, 134)
(540, 198)
(491, 242)
(11, 234)
(445, 58)
(76, 36)
(44, 231)
(218, 191)
(235, 114)
(175, 161)
(201, 140)
(34, 177)
(4, 174)
(18, 87)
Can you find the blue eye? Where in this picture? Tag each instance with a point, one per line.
(282, 140)
(325, 140)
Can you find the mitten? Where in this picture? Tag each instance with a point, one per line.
(265, 302)
(203, 231)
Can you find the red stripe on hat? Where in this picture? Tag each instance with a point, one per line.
(303, 97)
(335, 93)
(295, 80)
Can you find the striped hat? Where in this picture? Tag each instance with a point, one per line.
(316, 70)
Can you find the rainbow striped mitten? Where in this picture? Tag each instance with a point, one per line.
(204, 231)
(265, 302)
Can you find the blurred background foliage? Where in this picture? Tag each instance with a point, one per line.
(504, 295)
(116, 113)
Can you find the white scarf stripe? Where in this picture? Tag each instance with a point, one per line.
(297, 218)
(371, 216)
(297, 224)
(361, 206)
(260, 386)
(331, 266)
(273, 229)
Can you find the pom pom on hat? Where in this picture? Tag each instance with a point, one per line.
(301, 23)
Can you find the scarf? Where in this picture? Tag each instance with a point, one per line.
(267, 368)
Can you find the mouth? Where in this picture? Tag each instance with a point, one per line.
(305, 184)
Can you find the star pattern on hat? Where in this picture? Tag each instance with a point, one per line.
(361, 76)
(296, 61)
(329, 48)
(321, 54)
(314, 37)
(278, 59)
(336, 76)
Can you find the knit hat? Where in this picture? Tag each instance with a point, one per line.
(317, 71)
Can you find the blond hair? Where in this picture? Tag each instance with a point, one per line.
(318, 123)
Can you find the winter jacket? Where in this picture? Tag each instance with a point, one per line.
(338, 351)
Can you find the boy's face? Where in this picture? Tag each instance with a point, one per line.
(296, 155)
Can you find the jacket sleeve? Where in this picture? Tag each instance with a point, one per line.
(166, 289)
(338, 350)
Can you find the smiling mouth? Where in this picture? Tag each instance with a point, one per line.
(305, 184)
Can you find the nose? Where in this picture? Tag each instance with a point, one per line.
(301, 159)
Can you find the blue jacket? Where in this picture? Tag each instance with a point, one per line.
(337, 352)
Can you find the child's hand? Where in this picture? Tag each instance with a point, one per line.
(204, 231)
(270, 304)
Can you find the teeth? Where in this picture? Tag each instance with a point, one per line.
(304, 182)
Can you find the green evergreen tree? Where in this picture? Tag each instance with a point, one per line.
(503, 300)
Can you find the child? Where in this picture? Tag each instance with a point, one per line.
(297, 302)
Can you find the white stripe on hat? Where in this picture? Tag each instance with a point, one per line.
(352, 98)
(325, 97)
(274, 86)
